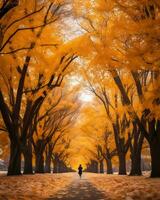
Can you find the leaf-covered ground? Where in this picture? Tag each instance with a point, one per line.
(117, 187)
(32, 187)
(68, 186)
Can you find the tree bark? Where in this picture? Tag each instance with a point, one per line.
(48, 164)
(55, 164)
(48, 152)
(109, 166)
(122, 164)
(14, 167)
(60, 167)
(39, 163)
(155, 160)
(121, 149)
(136, 149)
(39, 148)
(95, 166)
(27, 153)
(136, 165)
(101, 167)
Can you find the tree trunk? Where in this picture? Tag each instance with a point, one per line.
(39, 163)
(101, 167)
(60, 167)
(95, 166)
(14, 167)
(55, 166)
(109, 166)
(155, 160)
(120, 145)
(27, 153)
(136, 150)
(122, 164)
(48, 164)
(136, 165)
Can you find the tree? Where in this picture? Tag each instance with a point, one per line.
(55, 122)
(21, 100)
(132, 49)
(135, 150)
(119, 121)
(108, 152)
(60, 155)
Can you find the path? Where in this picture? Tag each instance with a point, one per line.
(79, 189)
(68, 186)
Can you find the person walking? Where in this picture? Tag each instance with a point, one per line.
(80, 170)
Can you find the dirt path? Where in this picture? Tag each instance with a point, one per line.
(78, 189)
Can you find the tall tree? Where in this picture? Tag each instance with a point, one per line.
(20, 99)
(117, 48)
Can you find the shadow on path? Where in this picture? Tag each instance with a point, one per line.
(78, 190)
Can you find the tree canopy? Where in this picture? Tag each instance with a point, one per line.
(79, 83)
